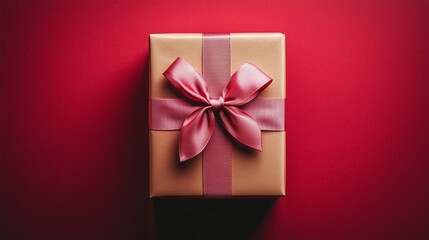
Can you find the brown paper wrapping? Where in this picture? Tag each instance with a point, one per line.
(253, 174)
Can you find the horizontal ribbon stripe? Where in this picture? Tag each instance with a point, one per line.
(168, 114)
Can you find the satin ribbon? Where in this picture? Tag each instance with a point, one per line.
(243, 86)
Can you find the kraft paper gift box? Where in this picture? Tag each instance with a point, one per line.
(226, 168)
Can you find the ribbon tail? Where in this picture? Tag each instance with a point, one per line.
(196, 132)
(242, 127)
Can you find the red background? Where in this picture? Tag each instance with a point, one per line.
(73, 117)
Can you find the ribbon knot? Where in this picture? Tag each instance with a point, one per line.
(243, 86)
(217, 103)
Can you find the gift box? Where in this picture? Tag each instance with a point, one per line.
(216, 115)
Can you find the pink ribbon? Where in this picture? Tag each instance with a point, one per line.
(243, 86)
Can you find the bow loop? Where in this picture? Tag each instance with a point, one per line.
(187, 81)
(245, 84)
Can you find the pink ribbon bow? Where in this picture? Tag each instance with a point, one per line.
(244, 85)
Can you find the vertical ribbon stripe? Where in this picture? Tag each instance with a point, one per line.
(217, 165)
